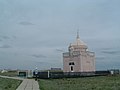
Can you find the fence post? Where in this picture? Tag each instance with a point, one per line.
(48, 74)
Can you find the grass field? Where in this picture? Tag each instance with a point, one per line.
(10, 73)
(9, 84)
(88, 83)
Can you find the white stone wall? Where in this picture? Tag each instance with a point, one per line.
(82, 63)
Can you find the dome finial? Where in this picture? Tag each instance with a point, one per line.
(78, 34)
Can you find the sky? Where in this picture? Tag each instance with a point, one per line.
(35, 33)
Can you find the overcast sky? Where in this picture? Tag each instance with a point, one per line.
(37, 32)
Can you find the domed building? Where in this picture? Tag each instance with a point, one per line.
(78, 59)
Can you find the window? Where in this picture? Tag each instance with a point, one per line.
(71, 63)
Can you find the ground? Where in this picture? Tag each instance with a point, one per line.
(86, 83)
(9, 84)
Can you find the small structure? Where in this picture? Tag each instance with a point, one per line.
(30, 73)
(78, 59)
(114, 71)
(23, 73)
(4, 71)
(56, 69)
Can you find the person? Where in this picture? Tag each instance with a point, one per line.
(36, 74)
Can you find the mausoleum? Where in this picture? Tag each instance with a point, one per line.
(78, 58)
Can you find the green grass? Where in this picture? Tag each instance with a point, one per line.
(9, 73)
(88, 83)
(9, 84)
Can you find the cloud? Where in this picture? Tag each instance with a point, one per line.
(43, 65)
(105, 49)
(59, 50)
(25, 23)
(38, 56)
(5, 46)
(14, 37)
(4, 37)
(100, 58)
(111, 52)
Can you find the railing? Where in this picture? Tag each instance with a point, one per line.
(91, 53)
(70, 74)
(74, 53)
(66, 54)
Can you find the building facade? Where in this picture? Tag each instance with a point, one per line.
(78, 58)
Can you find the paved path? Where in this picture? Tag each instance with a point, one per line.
(28, 84)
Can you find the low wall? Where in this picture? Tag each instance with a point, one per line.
(45, 75)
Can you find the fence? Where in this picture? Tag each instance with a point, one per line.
(45, 75)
